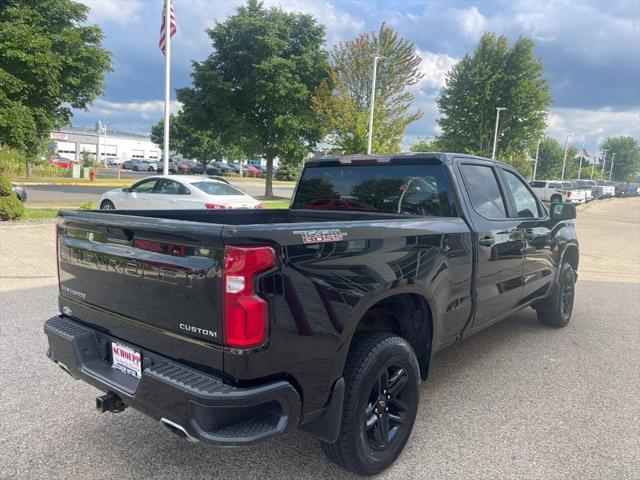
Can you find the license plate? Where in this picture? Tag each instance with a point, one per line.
(126, 359)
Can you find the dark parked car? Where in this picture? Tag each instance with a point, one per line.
(224, 167)
(137, 166)
(20, 192)
(324, 316)
(211, 169)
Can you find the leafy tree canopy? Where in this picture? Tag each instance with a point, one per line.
(425, 145)
(626, 163)
(200, 145)
(50, 63)
(255, 90)
(345, 105)
(494, 75)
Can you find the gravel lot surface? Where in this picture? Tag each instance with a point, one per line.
(516, 401)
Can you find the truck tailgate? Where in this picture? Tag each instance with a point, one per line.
(154, 283)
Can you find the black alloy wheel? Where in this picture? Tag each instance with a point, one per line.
(385, 414)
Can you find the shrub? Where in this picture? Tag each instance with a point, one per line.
(10, 206)
(87, 206)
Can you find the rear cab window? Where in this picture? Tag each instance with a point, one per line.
(217, 188)
(401, 188)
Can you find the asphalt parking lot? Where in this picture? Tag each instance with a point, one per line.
(516, 401)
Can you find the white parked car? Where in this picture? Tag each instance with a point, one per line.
(183, 192)
(557, 192)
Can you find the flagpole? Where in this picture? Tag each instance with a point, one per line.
(167, 80)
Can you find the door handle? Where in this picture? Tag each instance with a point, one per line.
(487, 241)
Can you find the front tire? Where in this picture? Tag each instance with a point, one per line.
(557, 309)
(107, 205)
(381, 401)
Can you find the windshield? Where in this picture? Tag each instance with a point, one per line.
(405, 189)
(217, 188)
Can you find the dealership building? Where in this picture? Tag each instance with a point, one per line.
(103, 144)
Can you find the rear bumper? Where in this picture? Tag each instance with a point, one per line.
(198, 405)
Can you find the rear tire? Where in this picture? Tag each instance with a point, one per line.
(557, 309)
(382, 381)
(107, 205)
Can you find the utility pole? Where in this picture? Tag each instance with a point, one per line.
(535, 165)
(581, 158)
(564, 160)
(613, 156)
(373, 102)
(495, 133)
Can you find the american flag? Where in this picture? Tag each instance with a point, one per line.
(172, 26)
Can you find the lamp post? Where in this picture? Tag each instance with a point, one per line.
(581, 158)
(613, 156)
(564, 159)
(495, 133)
(595, 159)
(535, 165)
(373, 102)
(604, 160)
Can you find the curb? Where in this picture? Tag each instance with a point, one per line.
(77, 184)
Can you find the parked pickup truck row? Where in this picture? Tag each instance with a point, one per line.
(231, 327)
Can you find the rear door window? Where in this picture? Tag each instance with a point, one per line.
(408, 189)
(217, 188)
(484, 191)
(526, 204)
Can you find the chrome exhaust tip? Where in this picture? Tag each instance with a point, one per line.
(178, 430)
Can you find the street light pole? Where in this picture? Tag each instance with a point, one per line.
(564, 159)
(595, 159)
(373, 102)
(535, 165)
(613, 156)
(604, 161)
(495, 133)
(581, 158)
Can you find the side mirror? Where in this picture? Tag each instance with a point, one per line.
(563, 211)
(126, 189)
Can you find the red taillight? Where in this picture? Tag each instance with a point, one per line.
(259, 206)
(245, 314)
(215, 206)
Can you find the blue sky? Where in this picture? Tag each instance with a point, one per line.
(590, 49)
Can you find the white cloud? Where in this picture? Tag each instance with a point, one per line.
(116, 11)
(471, 21)
(589, 125)
(152, 109)
(434, 66)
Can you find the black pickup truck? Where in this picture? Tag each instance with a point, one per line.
(231, 327)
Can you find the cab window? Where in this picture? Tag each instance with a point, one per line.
(484, 191)
(526, 204)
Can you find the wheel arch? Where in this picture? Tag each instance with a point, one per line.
(406, 314)
(571, 254)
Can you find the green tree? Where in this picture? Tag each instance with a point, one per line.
(255, 90)
(494, 75)
(345, 105)
(626, 163)
(200, 145)
(421, 144)
(10, 206)
(49, 63)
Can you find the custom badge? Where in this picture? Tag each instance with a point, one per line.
(321, 235)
